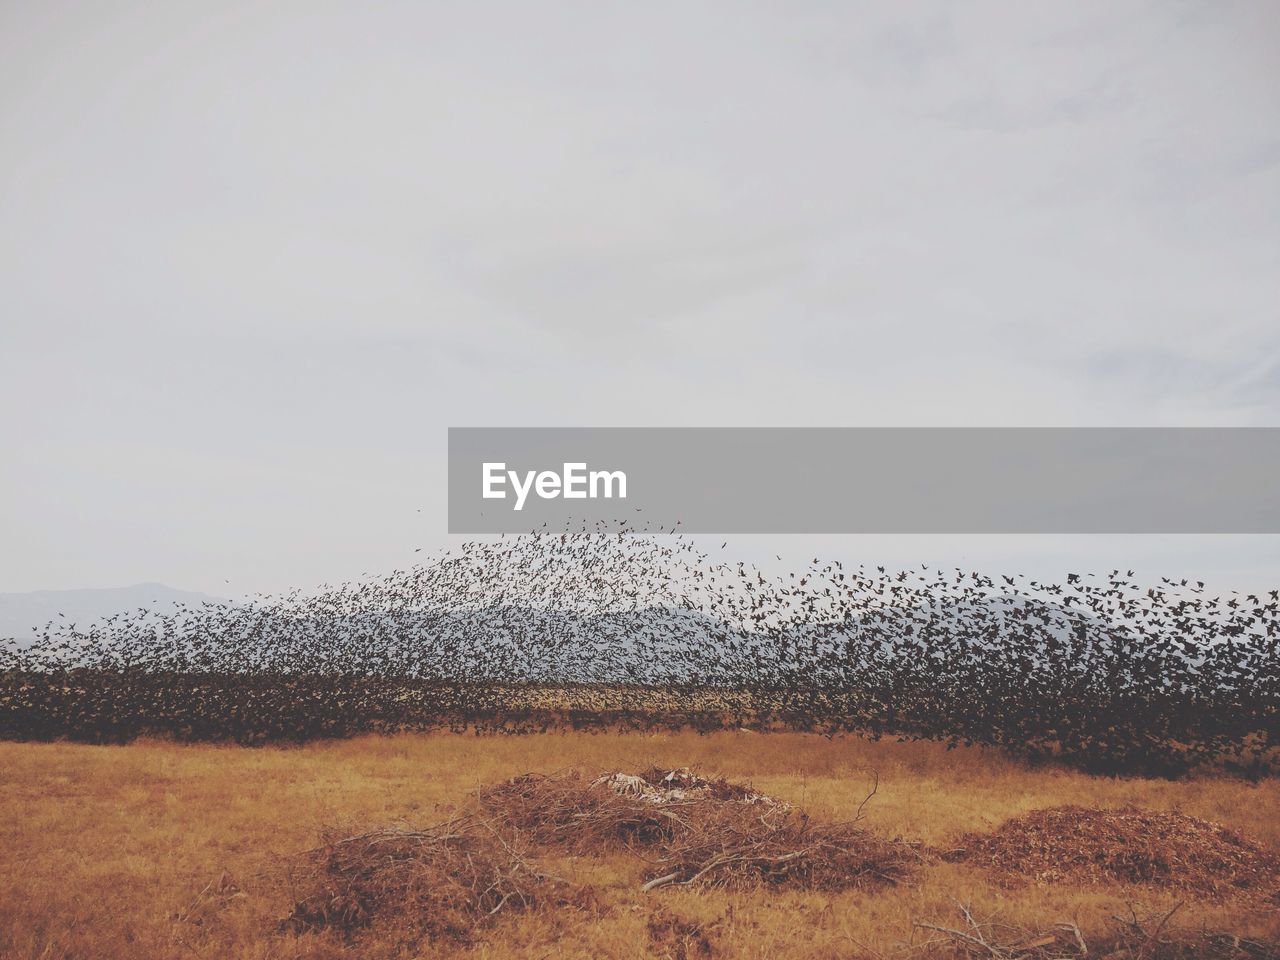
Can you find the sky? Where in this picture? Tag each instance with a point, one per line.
(256, 258)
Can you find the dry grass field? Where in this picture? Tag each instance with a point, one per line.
(162, 850)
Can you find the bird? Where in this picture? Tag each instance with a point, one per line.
(1101, 671)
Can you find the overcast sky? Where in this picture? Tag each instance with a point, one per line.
(256, 257)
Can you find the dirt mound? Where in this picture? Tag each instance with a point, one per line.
(437, 883)
(1082, 845)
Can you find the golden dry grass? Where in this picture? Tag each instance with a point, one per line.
(105, 851)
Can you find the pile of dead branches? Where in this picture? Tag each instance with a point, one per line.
(438, 883)
(579, 814)
(739, 846)
(708, 832)
(614, 809)
(1090, 846)
(444, 882)
(1130, 937)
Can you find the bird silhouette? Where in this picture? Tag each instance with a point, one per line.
(613, 626)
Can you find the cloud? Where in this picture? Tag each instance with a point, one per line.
(267, 236)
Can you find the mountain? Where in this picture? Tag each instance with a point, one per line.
(19, 612)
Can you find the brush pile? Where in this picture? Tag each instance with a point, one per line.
(438, 883)
(1131, 937)
(447, 881)
(741, 846)
(1090, 846)
(583, 816)
(698, 831)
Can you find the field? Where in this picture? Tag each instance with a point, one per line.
(157, 849)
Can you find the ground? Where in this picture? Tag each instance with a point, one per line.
(162, 850)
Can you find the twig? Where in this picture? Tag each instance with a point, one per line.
(657, 882)
(961, 935)
(1154, 938)
(874, 788)
(1074, 930)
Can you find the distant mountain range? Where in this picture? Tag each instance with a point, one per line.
(19, 612)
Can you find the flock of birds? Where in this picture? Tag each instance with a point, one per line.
(614, 628)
